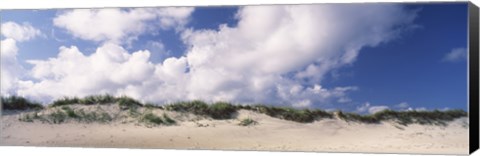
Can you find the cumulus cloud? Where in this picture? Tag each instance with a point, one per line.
(274, 55)
(11, 70)
(306, 41)
(120, 25)
(72, 73)
(9, 65)
(455, 55)
(19, 32)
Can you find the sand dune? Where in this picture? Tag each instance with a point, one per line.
(271, 134)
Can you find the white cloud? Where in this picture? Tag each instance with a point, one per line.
(372, 109)
(11, 70)
(19, 32)
(375, 109)
(72, 73)
(271, 42)
(266, 58)
(9, 66)
(363, 108)
(456, 55)
(120, 25)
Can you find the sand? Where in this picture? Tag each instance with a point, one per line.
(271, 134)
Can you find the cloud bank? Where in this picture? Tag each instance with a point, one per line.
(274, 55)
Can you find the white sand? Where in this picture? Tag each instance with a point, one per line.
(270, 134)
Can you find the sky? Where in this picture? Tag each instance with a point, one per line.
(360, 58)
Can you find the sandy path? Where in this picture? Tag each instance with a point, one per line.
(271, 134)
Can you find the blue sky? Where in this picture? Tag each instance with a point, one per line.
(355, 57)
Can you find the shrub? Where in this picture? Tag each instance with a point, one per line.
(247, 122)
(19, 103)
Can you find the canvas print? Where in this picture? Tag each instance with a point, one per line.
(359, 77)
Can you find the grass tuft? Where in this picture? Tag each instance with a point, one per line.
(58, 117)
(221, 110)
(247, 122)
(151, 118)
(70, 112)
(167, 120)
(65, 101)
(126, 102)
(286, 113)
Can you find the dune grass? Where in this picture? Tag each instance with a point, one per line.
(291, 114)
(435, 117)
(247, 122)
(152, 119)
(128, 103)
(123, 101)
(66, 113)
(219, 111)
(19, 103)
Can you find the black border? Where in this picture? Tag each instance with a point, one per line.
(473, 76)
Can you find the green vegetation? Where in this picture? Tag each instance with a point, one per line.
(65, 113)
(195, 107)
(286, 113)
(65, 101)
(221, 110)
(128, 103)
(19, 103)
(150, 118)
(247, 122)
(167, 120)
(89, 117)
(98, 99)
(124, 102)
(218, 110)
(69, 111)
(57, 117)
(407, 117)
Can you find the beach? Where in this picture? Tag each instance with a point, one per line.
(270, 134)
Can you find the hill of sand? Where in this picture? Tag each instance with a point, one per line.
(270, 134)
